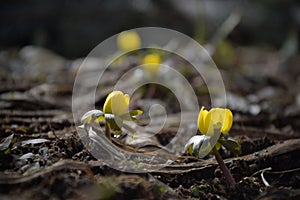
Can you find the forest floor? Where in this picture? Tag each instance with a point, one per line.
(43, 157)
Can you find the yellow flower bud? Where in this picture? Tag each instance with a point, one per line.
(201, 120)
(215, 118)
(128, 41)
(116, 103)
(151, 63)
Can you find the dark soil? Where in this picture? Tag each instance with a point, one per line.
(42, 156)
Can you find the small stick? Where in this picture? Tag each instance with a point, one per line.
(107, 131)
(151, 91)
(264, 180)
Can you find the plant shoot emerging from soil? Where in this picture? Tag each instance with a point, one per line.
(216, 122)
(115, 111)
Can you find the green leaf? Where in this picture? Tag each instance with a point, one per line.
(135, 112)
(231, 145)
(198, 145)
(91, 116)
(131, 116)
(115, 123)
(100, 119)
(134, 119)
(7, 151)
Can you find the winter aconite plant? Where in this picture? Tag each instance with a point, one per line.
(115, 112)
(151, 63)
(214, 125)
(128, 41)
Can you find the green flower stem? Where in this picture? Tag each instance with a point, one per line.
(107, 131)
(223, 167)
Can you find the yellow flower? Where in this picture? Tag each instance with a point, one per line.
(128, 41)
(115, 112)
(215, 118)
(151, 63)
(116, 103)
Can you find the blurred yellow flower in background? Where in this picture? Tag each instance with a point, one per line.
(220, 118)
(128, 41)
(151, 63)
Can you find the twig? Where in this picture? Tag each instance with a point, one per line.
(285, 171)
(63, 164)
(107, 131)
(264, 180)
(151, 91)
(262, 170)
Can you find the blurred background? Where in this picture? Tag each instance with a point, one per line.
(73, 28)
(254, 44)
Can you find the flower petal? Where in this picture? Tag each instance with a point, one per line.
(221, 119)
(227, 123)
(91, 115)
(210, 122)
(202, 120)
(116, 103)
(107, 103)
(217, 120)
